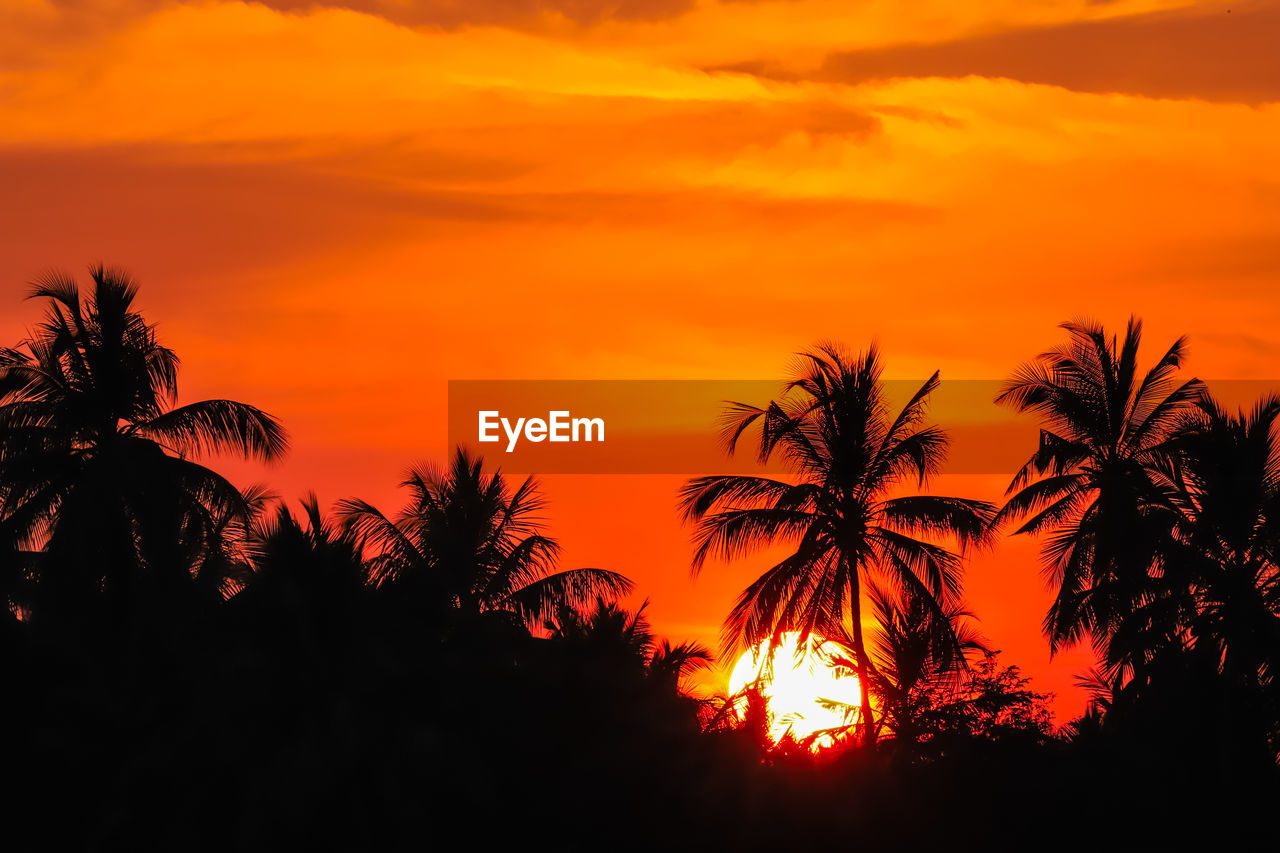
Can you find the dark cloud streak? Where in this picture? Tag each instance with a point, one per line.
(444, 13)
(1210, 55)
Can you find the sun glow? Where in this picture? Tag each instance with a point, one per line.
(806, 692)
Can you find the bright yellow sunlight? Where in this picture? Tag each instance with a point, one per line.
(806, 693)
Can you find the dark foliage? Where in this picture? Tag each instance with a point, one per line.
(189, 667)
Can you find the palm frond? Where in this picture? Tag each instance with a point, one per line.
(214, 426)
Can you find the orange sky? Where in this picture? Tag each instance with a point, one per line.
(335, 207)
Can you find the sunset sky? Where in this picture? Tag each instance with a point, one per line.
(336, 207)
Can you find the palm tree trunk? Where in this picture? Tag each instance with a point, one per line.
(864, 678)
(864, 664)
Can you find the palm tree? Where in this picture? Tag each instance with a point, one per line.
(97, 460)
(625, 640)
(1092, 486)
(920, 656)
(669, 664)
(467, 541)
(226, 562)
(1227, 477)
(309, 572)
(834, 432)
(607, 632)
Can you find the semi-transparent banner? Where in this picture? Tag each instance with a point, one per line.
(659, 426)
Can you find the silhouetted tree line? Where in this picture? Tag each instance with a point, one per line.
(189, 665)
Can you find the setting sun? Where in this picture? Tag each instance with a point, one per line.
(806, 693)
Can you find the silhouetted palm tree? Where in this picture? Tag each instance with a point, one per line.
(611, 632)
(469, 542)
(1092, 485)
(312, 568)
(834, 431)
(1227, 476)
(919, 656)
(226, 561)
(96, 461)
(606, 631)
(668, 665)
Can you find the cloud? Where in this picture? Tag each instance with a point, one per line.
(207, 211)
(444, 13)
(451, 13)
(1218, 53)
(191, 215)
(29, 27)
